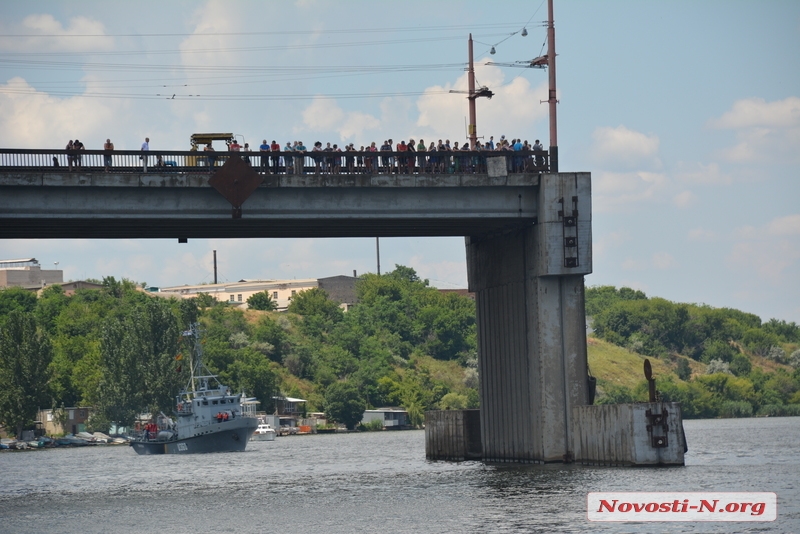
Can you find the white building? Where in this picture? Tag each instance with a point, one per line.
(339, 288)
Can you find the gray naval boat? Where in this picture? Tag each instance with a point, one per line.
(208, 418)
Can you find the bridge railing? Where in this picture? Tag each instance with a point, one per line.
(283, 162)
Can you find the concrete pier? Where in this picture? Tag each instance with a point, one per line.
(531, 325)
(640, 434)
(453, 435)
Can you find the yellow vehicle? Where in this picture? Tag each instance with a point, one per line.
(204, 139)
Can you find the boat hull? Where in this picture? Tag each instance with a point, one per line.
(263, 437)
(224, 440)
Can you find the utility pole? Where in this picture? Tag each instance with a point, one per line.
(473, 132)
(378, 253)
(551, 100)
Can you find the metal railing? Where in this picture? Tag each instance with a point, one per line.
(282, 162)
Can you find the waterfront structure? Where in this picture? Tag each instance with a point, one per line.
(28, 274)
(64, 420)
(389, 417)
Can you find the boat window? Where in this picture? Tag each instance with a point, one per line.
(205, 402)
(213, 402)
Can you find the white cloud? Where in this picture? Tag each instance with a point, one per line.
(765, 131)
(30, 118)
(621, 148)
(205, 46)
(756, 112)
(785, 226)
(324, 114)
(512, 111)
(51, 35)
(612, 190)
(701, 174)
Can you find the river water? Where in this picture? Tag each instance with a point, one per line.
(379, 482)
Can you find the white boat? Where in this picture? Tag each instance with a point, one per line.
(264, 432)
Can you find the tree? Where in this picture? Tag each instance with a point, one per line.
(683, 370)
(25, 354)
(138, 358)
(343, 403)
(15, 298)
(262, 301)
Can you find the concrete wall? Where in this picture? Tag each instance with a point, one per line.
(30, 277)
(453, 435)
(618, 434)
(531, 326)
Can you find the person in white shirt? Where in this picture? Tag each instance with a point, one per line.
(145, 148)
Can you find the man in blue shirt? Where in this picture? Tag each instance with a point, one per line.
(264, 149)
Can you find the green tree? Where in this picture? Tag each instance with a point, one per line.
(343, 403)
(25, 354)
(16, 298)
(138, 358)
(683, 370)
(262, 301)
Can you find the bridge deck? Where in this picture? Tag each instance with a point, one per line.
(54, 203)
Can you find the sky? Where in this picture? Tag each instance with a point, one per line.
(686, 113)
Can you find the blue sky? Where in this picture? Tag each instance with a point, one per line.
(686, 113)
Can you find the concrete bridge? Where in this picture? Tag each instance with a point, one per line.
(528, 246)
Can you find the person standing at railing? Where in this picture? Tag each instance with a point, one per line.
(145, 150)
(70, 155)
(288, 161)
(538, 159)
(246, 151)
(264, 149)
(276, 159)
(108, 147)
(211, 158)
(421, 155)
(78, 146)
(300, 158)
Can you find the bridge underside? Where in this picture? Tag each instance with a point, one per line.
(107, 228)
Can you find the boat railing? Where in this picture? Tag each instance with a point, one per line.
(184, 408)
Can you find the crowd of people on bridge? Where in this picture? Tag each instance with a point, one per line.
(401, 158)
(405, 157)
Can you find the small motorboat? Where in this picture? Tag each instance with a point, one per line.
(264, 432)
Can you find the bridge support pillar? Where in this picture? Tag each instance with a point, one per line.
(531, 325)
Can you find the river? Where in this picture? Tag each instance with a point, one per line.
(379, 482)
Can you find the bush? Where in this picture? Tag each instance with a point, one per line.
(371, 426)
(736, 409)
(740, 365)
(794, 359)
(776, 354)
(718, 366)
(683, 370)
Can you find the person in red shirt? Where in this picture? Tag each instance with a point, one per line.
(275, 147)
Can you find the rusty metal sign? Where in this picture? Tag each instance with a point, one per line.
(236, 180)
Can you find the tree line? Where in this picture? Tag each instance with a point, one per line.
(120, 351)
(750, 367)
